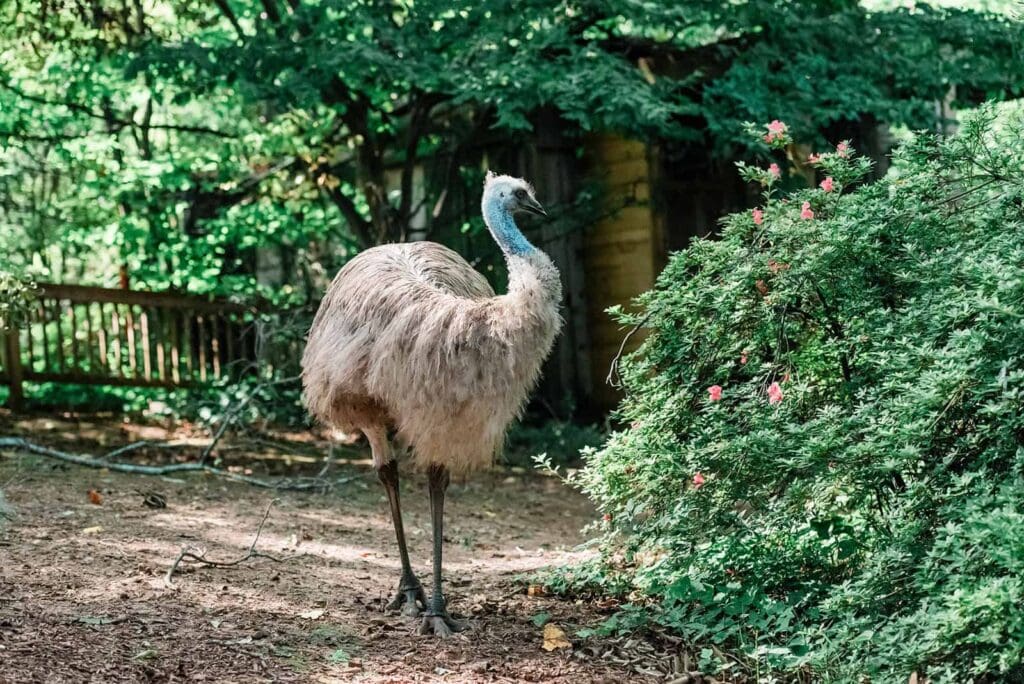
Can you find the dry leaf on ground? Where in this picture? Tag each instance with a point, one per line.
(555, 638)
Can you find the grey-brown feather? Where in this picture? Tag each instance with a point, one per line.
(409, 337)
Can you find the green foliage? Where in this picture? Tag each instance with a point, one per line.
(250, 147)
(556, 441)
(852, 502)
(16, 296)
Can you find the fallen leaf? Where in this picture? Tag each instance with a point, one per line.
(541, 619)
(89, 620)
(314, 614)
(555, 638)
(92, 530)
(95, 497)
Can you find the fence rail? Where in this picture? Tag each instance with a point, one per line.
(93, 335)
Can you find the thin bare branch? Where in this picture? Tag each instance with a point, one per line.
(115, 123)
(198, 556)
(302, 484)
(614, 378)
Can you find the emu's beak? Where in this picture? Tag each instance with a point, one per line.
(533, 206)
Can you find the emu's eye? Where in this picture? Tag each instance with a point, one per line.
(520, 193)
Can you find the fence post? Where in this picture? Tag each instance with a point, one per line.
(16, 400)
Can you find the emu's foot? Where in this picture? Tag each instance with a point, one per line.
(441, 624)
(408, 600)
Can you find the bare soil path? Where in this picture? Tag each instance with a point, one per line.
(83, 599)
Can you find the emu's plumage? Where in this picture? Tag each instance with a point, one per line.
(410, 337)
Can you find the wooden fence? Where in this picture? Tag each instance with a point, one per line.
(93, 335)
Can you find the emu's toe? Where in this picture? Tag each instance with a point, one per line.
(442, 625)
(408, 601)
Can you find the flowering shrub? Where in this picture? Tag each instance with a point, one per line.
(825, 466)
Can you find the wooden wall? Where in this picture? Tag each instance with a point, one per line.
(552, 165)
(623, 252)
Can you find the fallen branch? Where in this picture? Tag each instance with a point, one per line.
(198, 556)
(301, 484)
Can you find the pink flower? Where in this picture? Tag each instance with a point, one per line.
(827, 185)
(698, 480)
(774, 171)
(715, 392)
(776, 132)
(813, 158)
(758, 217)
(843, 149)
(743, 358)
(805, 211)
(774, 394)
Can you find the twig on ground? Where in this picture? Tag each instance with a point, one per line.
(300, 484)
(328, 459)
(198, 556)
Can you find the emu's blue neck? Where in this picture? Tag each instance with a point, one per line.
(504, 229)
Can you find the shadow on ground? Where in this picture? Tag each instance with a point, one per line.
(82, 593)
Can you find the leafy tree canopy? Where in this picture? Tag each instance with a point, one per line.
(177, 137)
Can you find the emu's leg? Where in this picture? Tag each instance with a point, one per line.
(436, 618)
(410, 594)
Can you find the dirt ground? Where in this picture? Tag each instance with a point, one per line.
(82, 576)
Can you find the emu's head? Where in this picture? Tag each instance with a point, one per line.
(510, 194)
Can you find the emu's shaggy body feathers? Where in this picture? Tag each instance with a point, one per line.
(410, 338)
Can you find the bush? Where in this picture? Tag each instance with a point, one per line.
(850, 503)
(16, 296)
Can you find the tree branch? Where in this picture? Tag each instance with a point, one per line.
(360, 226)
(225, 9)
(19, 444)
(115, 122)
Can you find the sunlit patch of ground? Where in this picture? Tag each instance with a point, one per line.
(83, 598)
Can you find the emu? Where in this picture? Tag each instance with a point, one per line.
(412, 347)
